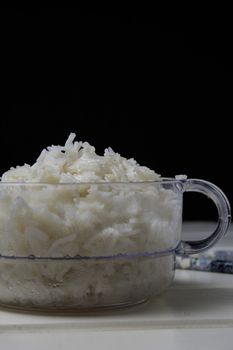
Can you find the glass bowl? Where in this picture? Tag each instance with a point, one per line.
(85, 246)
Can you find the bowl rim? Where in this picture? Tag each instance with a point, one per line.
(163, 180)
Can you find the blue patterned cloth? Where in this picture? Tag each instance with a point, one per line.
(210, 261)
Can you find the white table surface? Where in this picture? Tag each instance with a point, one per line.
(195, 313)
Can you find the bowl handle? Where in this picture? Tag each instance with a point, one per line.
(224, 216)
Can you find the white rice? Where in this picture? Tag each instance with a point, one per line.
(75, 202)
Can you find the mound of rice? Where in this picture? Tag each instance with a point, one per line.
(78, 162)
(74, 202)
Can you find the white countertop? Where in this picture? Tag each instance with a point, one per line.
(195, 313)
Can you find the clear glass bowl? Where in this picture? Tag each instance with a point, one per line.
(89, 283)
(71, 247)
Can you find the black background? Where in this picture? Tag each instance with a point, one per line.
(160, 92)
